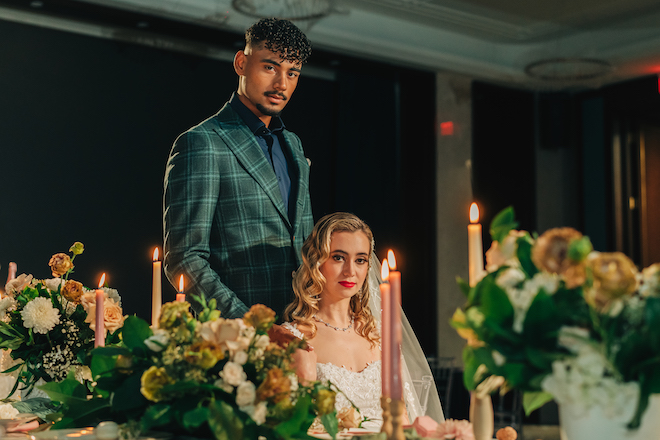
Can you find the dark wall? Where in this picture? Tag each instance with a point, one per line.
(503, 159)
(86, 125)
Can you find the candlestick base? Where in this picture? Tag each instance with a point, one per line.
(387, 416)
(393, 411)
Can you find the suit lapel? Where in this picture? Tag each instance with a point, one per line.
(247, 151)
(301, 168)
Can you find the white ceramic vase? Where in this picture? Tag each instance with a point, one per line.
(595, 424)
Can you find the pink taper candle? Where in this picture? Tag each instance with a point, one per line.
(156, 290)
(475, 247)
(386, 332)
(99, 331)
(395, 342)
(181, 297)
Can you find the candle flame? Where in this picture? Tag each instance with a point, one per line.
(384, 271)
(181, 284)
(102, 282)
(391, 261)
(474, 213)
(156, 253)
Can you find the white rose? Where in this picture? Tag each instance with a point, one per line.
(53, 284)
(158, 341)
(258, 412)
(7, 304)
(510, 277)
(245, 394)
(233, 374)
(241, 357)
(262, 342)
(7, 411)
(223, 386)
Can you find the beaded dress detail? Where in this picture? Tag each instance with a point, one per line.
(361, 387)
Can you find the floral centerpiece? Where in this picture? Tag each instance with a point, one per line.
(47, 326)
(555, 319)
(205, 376)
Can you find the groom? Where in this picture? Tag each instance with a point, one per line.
(236, 203)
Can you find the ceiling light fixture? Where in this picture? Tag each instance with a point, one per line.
(287, 9)
(568, 69)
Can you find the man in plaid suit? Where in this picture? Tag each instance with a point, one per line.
(236, 204)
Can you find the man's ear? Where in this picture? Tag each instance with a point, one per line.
(239, 62)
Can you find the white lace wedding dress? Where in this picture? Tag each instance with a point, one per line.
(361, 387)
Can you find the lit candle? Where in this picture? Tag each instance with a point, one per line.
(181, 297)
(395, 342)
(156, 290)
(385, 330)
(475, 247)
(99, 331)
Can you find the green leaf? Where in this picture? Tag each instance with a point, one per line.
(135, 331)
(39, 406)
(101, 365)
(156, 415)
(534, 400)
(195, 418)
(128, 395)
(296, 425)
(495, 303)
(463, 285)
(471, 364)
(224, 423)
(524, 254)
(579, 249)
(503, 222)
(68, 391)
(330, 423)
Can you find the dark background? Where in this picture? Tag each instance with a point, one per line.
(86, 125)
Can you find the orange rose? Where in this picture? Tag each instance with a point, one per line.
(275, 387)
(551, 254)
(260, 317)
(72, 291)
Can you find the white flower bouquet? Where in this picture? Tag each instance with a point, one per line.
(555, 319)
(47, 326)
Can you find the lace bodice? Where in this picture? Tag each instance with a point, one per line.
(361, 387)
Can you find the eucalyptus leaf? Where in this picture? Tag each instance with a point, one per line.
(39, 406)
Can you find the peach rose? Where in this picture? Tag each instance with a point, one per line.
(614, 276)
(112, 315)
(551, 254)
(18, 284)
(260, 317)
(348, 418)
(60, 264)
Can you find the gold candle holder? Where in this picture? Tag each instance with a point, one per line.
(393, 411)
(387, 416)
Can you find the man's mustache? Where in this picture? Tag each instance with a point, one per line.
(280, 94)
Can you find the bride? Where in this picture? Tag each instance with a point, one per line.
(332, 310)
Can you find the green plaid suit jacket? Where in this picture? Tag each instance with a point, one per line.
(226, 228)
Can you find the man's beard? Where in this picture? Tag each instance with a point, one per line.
(268, 112)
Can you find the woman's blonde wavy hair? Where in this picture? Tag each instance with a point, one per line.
(308, 281)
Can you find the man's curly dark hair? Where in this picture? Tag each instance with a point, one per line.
(280, 36)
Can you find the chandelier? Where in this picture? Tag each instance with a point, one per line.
(286, 9)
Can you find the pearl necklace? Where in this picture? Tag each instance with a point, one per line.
(336, 328)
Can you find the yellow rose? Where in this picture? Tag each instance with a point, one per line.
(153, 380)
(77, 248)
(204, 354)
(614, 276)
(260, 317)
(324, 401)
(72, 291)
(276, 386)
(60, 264)
(173, 314)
